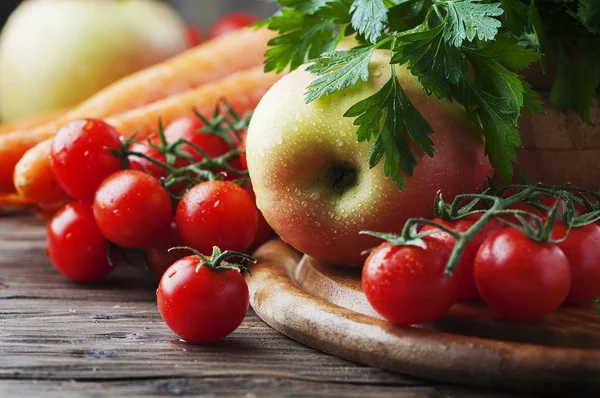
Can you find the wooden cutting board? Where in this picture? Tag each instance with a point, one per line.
(324, 308)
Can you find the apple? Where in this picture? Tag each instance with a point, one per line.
(56, 53)
(312, 178)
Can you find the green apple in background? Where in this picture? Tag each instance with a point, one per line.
(57, 53)
(312, 178)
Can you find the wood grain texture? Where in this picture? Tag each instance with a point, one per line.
(59, 339)
(339, 322)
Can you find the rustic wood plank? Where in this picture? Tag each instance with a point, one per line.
(237, 386)
(61, 339)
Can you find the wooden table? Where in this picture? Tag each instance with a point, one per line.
(61, 339)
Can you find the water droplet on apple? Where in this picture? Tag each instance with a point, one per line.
(339, 143)
(298, 192)
(317, 224)
(303, 203)
(361, 219)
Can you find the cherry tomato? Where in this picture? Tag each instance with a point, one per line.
(194, 35)
(201, 304)
(407, 285)
(145, 165)
(187, 129)
(582, 248)
(217, 213)
(76, 246)
(551, 201)
(521, 206)
(155, 170)
(159, 257)
(132, 209)
(519, 278)
(466, 286)
(80, 156)
(231, 22)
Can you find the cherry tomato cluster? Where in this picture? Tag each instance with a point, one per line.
(524, 258)
(186, 186)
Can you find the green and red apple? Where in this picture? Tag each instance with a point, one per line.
(56, 53)
(312, 177)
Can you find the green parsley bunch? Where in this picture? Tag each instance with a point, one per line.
(466, 51)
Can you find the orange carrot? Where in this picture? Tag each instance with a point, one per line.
(210, 61)
(205, 63)
(31, 122)
(242, 90)
(34, 178)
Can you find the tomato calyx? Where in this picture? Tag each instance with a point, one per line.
(224, 123)
(217, 259)
(494, 203)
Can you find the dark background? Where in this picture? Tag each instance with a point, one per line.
(198, 12)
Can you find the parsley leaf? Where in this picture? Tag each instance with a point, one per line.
(495, 120)
(388, 117)
(304, 6)
(407, 14)
(437, 65)
(500, 81)
(302, 37)
(515, 16)
(468, 19)
(508, 51)
(573, 88)
(338, 70)
(589, 14)
(369, 18)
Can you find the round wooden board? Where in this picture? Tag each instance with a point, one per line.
(324, 308)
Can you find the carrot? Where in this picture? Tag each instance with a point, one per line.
(242, 90)
(34, 178)
(205, 63)
(210, 61)
(32, 121)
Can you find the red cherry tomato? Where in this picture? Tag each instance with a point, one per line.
(194, 35)
(187, 129)
(217, 213)
(201, 304)
(145, 165)
(132, 209)
(521, 206)
(231, 22)
(466, 286)
(76, 246)
(519, 278)
(407, 285)
(551, 201)
(159, 257)
(582, 248)
(80, 156)
(155, 170)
